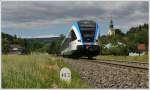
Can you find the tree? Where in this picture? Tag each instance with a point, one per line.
(119, 32)
(52, 47)
(137, 35)
(55, 46)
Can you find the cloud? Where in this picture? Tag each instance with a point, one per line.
(31, 14)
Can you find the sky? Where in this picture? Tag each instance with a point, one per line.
(52, 18)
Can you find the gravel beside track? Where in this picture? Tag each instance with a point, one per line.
(101, 75)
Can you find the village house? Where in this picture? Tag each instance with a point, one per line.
(16, 49)
(141, 50)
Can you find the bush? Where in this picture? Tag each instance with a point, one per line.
(118, 50)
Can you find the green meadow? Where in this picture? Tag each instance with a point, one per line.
(143, 58)
(36, 71)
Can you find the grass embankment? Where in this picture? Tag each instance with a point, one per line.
(125, 58)
(36, 71)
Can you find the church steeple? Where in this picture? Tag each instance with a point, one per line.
(111, 30)
(111, 24)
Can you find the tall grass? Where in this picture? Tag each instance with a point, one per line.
(36, 71)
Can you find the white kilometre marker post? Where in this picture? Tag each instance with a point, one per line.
(65, 74)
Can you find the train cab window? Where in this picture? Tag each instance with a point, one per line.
(73, 36)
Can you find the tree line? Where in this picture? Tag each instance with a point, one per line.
(131, 39)
(31, 45)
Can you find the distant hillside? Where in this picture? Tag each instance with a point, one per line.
(10, 39)
(44, 40)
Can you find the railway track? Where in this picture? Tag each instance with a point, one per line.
(129, 64)
(137, 65)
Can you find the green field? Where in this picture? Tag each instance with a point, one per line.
(36, 71)
(143, 58)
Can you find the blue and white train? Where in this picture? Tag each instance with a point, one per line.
(82, 40)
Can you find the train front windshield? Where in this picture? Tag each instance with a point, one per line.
(87, 29)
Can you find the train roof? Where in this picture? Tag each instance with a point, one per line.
(86, 22)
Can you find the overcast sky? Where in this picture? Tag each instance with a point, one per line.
(42, 18)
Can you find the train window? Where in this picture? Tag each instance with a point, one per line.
(88, 35)
(73, 36)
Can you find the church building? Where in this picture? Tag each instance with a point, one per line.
(111, 30)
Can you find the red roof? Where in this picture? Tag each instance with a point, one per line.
(141, 47)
